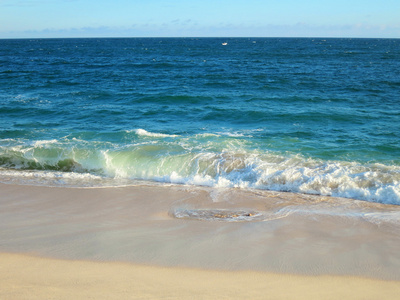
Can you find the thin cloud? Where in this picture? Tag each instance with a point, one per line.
(189, 28)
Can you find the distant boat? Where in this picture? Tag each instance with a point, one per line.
(224, 44)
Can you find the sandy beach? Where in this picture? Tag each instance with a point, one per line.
(178, 242)
(27, 277)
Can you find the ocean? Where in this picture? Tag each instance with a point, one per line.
(304, 115)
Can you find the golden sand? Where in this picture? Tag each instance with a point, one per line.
(27, 277)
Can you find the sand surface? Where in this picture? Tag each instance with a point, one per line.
(154, 242)
(26, 277)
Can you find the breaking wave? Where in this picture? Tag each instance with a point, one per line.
(203, 159)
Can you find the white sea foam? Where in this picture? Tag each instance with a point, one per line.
(44, 142)
(339, 179)
(143, 132)
(49, 178)
(216, 162)
(232, 134)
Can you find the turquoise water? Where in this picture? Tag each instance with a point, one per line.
(317, 116)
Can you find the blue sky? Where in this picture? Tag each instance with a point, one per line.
(198, 18)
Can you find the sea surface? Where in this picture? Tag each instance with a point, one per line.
(314, 116)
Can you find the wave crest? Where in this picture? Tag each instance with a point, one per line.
(210, 160)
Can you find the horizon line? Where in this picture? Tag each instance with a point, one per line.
(198, 37)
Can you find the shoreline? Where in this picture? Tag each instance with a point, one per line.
(316, 245)
(29, 277)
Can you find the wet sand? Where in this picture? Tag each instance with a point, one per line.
(194, 241)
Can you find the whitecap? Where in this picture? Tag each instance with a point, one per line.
(143, 132)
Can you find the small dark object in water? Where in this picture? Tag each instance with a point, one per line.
(218, 215)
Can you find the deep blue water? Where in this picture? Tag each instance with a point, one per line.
(318, 116)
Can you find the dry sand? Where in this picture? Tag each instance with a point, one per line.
(123, 243)
(26, 277)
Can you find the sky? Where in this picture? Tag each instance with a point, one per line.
(199, 18)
